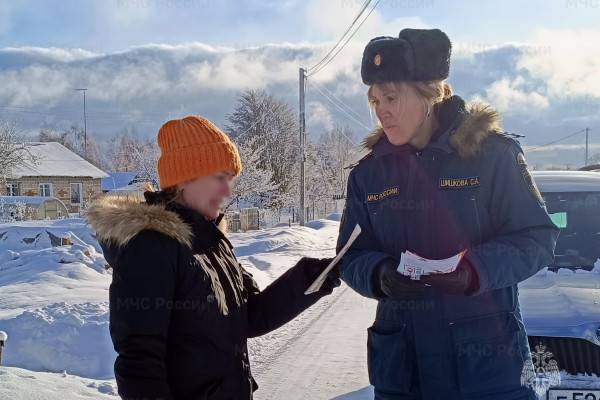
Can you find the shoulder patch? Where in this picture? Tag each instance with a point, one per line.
(522, 163)
(389, 192)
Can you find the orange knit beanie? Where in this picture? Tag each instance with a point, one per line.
(193, 147)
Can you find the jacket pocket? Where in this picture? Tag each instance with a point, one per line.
(388, 359)
(489, 353)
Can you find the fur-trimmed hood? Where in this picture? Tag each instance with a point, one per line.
(479, 122)
(118, 219)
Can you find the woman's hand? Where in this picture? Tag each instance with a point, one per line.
(462, 281)
(394, 285)
(312, 268)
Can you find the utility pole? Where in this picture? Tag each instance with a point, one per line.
(302, 83)
(3, 338)
(84, 123)
(587, 145)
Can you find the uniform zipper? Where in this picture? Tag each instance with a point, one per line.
(474, 200)
(409, 194)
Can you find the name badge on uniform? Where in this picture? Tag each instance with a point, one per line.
(459, 183)
(389, 192)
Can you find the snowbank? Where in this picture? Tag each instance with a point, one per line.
(62, 336)
(21, 384)
(267, 253)
(54, 303)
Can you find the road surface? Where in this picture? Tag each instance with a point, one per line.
(326, 357)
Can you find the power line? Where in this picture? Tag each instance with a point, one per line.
(343, 111)
(360, 12)
(559, 140)
(340, 101)
(317, 68)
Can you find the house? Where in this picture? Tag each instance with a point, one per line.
(57, 172)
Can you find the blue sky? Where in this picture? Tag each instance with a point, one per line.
(113, 25)
(145, 61)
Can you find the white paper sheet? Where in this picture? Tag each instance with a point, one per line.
(316, 285)
(413, 265)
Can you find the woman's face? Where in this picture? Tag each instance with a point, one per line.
(208, 194)
(400, 110)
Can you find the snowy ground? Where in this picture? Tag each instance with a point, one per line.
(54, 306)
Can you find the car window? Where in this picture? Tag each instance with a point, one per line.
(578, 216)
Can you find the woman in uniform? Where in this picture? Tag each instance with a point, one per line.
(441, 178)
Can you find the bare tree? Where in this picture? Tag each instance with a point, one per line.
(14, 152)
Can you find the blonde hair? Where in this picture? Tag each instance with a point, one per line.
(437, 91)
(432, 91)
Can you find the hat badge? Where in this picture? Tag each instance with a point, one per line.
(377, 59)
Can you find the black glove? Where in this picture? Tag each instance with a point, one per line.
(388, 282)
(462, 281)
(312, 268)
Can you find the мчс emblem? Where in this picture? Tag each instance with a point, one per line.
(377, 60)
(393, 191)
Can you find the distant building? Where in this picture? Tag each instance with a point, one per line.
(58, 172)
(23, 208)
(125, 183)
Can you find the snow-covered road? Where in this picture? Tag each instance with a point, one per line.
(326, 359)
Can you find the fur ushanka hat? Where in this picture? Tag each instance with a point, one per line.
(415, 55)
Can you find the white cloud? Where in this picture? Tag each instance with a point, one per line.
(567, 60)
(146, 84)
(510, 95)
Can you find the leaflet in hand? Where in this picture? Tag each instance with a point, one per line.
(413, 265)
(316, 285)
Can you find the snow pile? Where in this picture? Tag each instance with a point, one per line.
(62, 336)
(21, 384)
(267, 253)
(44, 234)
(54, 298)
(37, 278)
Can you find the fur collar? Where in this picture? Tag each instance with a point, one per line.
(118, 219)
(480, 121)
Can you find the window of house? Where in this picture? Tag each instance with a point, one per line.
(76, 190)
(46, 189)
(12, 189)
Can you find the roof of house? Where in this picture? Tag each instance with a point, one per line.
(117, 180)
(54, 159)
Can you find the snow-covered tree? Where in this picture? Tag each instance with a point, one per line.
(254, 185)
(326, 167)
(270, 127)
(13, 150)
(327, 162)
(128, 152)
